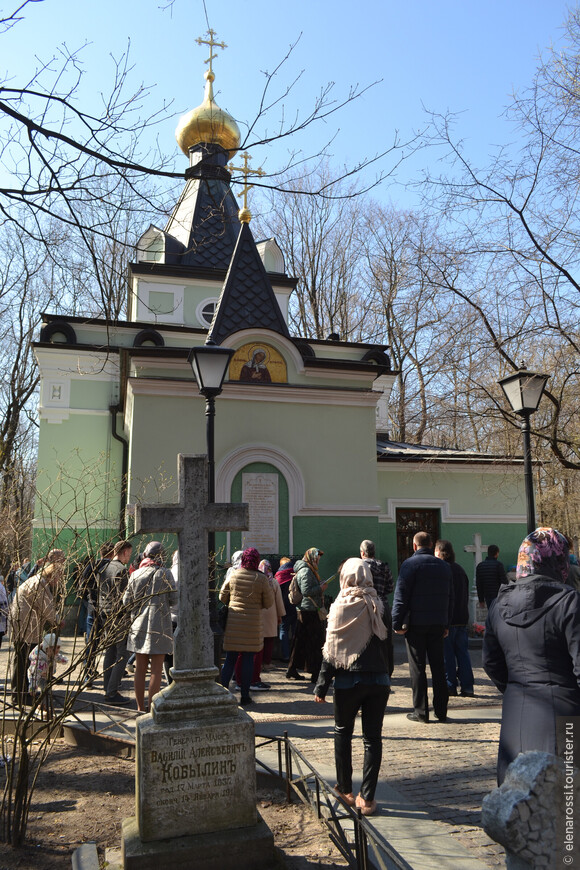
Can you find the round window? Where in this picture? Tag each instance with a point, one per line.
(206, 310)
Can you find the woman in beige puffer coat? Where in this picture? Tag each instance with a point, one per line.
(247, 593)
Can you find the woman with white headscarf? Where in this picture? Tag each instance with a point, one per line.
(356, 656)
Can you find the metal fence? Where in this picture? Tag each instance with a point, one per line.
(351, 832)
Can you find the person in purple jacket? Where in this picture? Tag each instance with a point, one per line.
(288, 624)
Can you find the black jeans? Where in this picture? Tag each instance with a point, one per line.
(308, 643)
(114, 663)
(20, 687)
(371, 701)
(426, 642)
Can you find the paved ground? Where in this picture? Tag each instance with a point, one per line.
(433, 777)
(439, 772)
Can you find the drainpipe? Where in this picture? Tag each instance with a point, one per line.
(114, 410)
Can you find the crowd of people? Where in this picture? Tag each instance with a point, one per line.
(531, 647)
(128, 611)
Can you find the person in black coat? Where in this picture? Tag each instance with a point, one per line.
(489, 576)
(456, 644)
(531, 648)
(422, 610)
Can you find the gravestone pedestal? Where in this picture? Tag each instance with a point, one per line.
(247, 848)
(195, 755)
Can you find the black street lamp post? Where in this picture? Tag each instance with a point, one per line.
(523, 390)
(210, 363)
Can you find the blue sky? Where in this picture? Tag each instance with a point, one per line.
(466, 57)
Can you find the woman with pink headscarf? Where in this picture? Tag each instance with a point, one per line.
(531, 648)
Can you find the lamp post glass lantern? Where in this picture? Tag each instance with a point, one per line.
(524, 390)
(210, 364)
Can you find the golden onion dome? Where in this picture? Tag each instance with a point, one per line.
(208, 123)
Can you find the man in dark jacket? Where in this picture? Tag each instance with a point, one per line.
(422, 610)
(115, 626)
(489, 576)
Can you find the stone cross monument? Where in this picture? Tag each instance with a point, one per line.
(195, 757)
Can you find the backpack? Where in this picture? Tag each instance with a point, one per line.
(294, 592)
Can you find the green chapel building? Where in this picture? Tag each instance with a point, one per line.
(301, 430)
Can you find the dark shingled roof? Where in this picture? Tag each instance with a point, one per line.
(215, 224)
(400, 451)
(247, 299)
(214, 228)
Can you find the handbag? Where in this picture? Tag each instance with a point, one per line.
(322, 611)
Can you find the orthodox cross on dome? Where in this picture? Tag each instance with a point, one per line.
(212, 44)
(244, 213)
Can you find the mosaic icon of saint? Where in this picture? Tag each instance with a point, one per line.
(256, 370)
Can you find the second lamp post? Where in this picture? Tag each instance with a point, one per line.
(523, 390)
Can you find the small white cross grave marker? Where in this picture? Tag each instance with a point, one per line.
(477, 548)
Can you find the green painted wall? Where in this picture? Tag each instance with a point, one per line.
(76, 543)
(490, 492)
(469, 493)
(339, 537)
(162, 426)
(317, 441)
(78, 477)
(193, 295)
(89, 394)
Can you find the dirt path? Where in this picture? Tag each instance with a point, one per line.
(82, 797)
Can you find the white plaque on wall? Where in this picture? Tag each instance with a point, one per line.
(260, 491)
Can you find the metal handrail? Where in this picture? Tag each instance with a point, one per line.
(349, 830)
(124, 716)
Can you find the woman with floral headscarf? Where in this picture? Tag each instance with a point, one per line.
(531, 648)
(356, 655)
(247, 593)
(309, 637)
